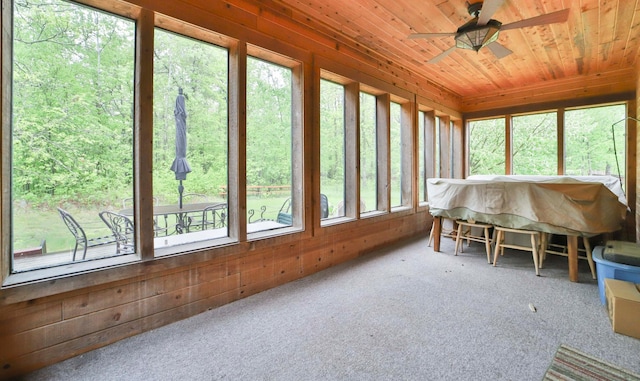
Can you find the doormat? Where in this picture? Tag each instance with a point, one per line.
(570, 364)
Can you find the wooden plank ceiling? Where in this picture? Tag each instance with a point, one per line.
(600, 36)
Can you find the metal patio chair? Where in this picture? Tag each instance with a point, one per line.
(122, 229)
(78, 233)
(214, 217)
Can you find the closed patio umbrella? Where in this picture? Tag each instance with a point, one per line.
(180, 164)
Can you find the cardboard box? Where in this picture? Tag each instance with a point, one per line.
(623, 302)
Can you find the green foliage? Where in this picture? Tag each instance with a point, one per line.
(368, 149)
(396, 154)
(487, 145)
(589, 143)
(589, 140)
(269, 128)
(332, 133)
(535, 144)
(201, 70)
(72, 121)
(422, 174)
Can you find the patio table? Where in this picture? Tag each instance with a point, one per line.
(181, 213)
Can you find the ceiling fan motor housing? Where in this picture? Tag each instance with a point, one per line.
(473, 36)
(474, 9)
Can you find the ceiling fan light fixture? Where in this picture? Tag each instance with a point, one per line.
(473, 37)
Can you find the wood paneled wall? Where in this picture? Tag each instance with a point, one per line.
(637, 203)
(569, 91)
(43, 331)
(71, 316)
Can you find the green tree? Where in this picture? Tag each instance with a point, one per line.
(535, 144)
(487, 147)
(201, 70)
(269, 128)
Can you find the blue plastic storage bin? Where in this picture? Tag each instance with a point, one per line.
(614, 270)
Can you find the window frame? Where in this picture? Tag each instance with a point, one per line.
(560, 111)
(27, 285)
(9, 279)
(563, 167)
(406, 154)
(349, 146)
(297, 147)
(559, 149)
(352, 107)
(186, 31)
(429, 147)
(468, 140)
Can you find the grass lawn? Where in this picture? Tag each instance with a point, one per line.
(34, 225)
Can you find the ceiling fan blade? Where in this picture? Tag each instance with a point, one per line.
(499, 50)
(489, 7)
(549, 18)
(440, 56)
(429, 35)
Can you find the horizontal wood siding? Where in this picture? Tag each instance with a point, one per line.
(571, 89)
(47, 330)
(637, 201)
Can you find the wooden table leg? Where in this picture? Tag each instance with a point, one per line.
(572, 248)
(437, 230)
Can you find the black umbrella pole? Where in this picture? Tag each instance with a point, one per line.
(180, 190)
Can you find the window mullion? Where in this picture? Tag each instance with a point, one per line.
(143, 156)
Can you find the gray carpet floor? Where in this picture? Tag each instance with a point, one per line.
(401, 313)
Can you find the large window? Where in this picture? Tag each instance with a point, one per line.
(368, 153)
(117, 151)
(395, 143)
(595, 141)
(76, 129)
(332, 148)
(422, 169)
(535, 144)
(487, 147)
(190, 140)
(72, 131)
(269, 146)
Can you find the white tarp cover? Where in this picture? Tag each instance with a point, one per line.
(561, 205)
(611, 182)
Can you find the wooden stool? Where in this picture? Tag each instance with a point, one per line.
(468, 235)
(548, 248)
(450, 233)
(500, 245)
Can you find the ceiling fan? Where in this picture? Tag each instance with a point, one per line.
(483, 30)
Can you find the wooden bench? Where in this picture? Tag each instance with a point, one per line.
(534, 249)
(465, 231)
(31, 251)
(259, 190)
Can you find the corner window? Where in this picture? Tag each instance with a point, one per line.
(487, 147)
(535, 144)
(595, 141)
